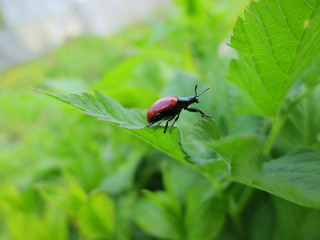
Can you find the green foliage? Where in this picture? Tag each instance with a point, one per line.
(179, 212)
(275, 44)
(294, 176)
(96, 216)
(68, 176)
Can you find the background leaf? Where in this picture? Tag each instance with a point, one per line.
(96, 216)
(294, 221)
(302, 128)
(157, 215)
(202, 203)
(295, 176)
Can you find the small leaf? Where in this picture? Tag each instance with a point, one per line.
(67, 194)
(96, 216)
(134, 120)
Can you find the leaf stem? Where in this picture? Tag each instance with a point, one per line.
(276, 126)
(235, 218)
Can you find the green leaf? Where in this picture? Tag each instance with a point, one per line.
(177, 187)
(276, 41)
(204, 212)
(67, 194)
(205, 131)
(242, 156)
(193, 141)
(302, 128)
(124, 216)
(96, 216)
(295, 222)
(245, 125)
(53, 226)
(134, 120)
(156, 214)
(19, 208)
(121, 177)
(260, 224)
(295, 176)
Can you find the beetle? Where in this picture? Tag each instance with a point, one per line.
(168, 108)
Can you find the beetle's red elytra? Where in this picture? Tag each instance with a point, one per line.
(168, 108)
(160, 105)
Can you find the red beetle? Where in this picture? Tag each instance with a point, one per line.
(168, 108)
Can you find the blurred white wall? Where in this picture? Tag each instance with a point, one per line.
(31, 27)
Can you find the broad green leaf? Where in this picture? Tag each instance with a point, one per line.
(96, 216)
(245, 125)
(260, 224)
(124, 216)
(156, 214)
(294, 221)
(134, 120)
(121, 177)
(205, 214)
(276, 40)
(295, 176)
(242, 156)
(205, 131)
(193, 142)
(177, 187)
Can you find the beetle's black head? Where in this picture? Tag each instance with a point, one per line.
(196, 95)
(186, 101)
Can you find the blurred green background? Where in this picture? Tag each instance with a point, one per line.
(65, 175)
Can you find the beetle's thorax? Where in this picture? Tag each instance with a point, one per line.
(186, 101)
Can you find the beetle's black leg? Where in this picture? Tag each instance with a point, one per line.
(152, 120)
(159, 122)
(165, 128)
(149, 125)
(199, 111)
(153, 123)
(175, 120)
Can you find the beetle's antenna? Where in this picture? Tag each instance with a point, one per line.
(195, 89)
(203, 92)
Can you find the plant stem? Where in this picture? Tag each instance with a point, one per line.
(276, 126)
(280, 119)
(234, 214)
